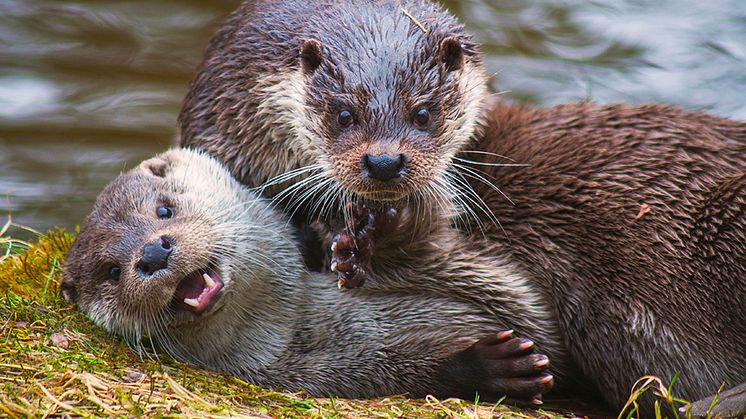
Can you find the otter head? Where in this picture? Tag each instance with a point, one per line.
(392, 93)
(167, 245)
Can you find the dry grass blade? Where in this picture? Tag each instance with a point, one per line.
(97, 375)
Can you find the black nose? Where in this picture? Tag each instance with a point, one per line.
(384, 167)
(155, 256)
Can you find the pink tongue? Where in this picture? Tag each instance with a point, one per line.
(194, 293)
(190, 287)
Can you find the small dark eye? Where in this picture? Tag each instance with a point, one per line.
(164, 212)
(421, 118)
(114, 272)
(345, 119)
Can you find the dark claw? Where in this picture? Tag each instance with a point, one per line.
(502, 365)
(353, 250)
(355, 278)
(526, 388)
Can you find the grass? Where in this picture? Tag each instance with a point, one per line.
(55, 362)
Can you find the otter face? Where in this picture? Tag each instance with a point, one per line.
(159, 249)
(390, 103)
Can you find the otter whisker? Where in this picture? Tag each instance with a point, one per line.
(150, 334)
(288, 175)
(297, 187)
(331, 196)
(487, 153)
(319, 198)
(290, 195)
(257, 258)
(452, 194)
(440, 197)
(474, 175)
(473, 197)
(464, 193)
(307, 195)
(490, 164)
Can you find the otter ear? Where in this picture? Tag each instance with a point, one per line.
(69, 290)
(452, 53)
(156, 166)
(310, 55)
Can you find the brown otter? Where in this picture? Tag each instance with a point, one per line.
(631, 223)
(354, 99)
(322, 91)
(177, 251)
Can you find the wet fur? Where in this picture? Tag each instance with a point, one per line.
(583, 272)
(255, 107)
(275, 325)
(659, 293)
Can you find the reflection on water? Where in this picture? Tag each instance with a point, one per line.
(91, 87)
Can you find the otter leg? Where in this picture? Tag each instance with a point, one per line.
(353, 247)
(496, 366)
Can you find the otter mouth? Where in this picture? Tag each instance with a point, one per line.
(198, 291)
(382, 196)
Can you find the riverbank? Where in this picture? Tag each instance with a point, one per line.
(54, 361)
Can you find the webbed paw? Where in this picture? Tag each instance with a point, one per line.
(353, 247)
(503, 365)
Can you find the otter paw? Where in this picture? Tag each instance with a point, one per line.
(502, 365)
(353, 248)
(345, 261)
(514, 368)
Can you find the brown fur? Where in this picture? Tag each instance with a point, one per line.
(659, 292)
(626, 292)
(272, 323)
(629, 222)
(266, 97)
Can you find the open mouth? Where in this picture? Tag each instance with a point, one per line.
(198, 291)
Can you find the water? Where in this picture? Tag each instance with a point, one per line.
(90, 88)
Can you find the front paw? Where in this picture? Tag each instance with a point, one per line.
(353, 247)
(346, 259)
(502, 365)
(514, 367)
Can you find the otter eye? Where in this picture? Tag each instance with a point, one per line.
(114, 272)
(164, 213)
(344, 118)
(421, 118)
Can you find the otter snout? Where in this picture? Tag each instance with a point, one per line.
(384, 167)
(155, 256)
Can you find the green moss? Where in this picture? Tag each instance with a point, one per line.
(54, 361)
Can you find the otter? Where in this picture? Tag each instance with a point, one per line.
(351, 100)
(178, 252)
(628, 220)
(376, 102)
(631, 219)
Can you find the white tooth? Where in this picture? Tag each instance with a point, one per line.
(208, 280)
(334, 267)
(191, 302)
(334, 247)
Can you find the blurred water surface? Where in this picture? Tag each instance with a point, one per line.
(89, 88)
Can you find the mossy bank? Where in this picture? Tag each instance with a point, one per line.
(56, 362)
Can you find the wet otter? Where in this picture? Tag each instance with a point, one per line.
(632, 220)
(323, 90)
(629, 220)
(177, 251)
(353, 99)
